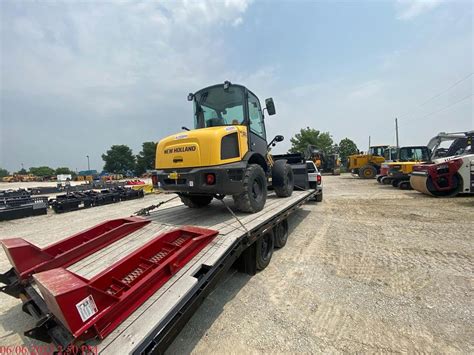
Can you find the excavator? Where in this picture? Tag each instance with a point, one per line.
(367, 166)
(227, 152)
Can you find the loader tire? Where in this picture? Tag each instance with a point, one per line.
(196, 201)
(254, 194)
(282, 179)
(264, 249)
(367, 172)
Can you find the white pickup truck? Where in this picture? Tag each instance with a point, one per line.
(315, 180)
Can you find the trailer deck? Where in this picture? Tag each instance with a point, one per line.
(153, 326)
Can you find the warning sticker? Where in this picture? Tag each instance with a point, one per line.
(86, 308)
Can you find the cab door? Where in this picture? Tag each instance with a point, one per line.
(257, 135)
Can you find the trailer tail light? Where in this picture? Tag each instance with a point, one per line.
(210, 179)
(318, 179)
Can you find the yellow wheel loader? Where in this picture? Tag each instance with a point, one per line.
(226, 153)
(367, 166)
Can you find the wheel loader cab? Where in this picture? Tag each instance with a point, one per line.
(225, 154)
(378, 150)
(231, 105)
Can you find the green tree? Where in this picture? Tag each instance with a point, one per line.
(3, 172)
(307, 136)
(119, 159)
(22, 171)
(42, 171)
(146, 158)
(346, 147)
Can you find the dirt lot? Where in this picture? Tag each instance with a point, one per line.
(369, 269)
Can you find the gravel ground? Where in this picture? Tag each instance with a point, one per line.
(370, 269)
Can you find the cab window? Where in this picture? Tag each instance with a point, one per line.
(255, 116)
(218, 107)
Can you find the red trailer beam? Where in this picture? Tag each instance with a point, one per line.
(95, 307)
(28, 259)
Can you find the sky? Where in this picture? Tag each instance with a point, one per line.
(80, 76)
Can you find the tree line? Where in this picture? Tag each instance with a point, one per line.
(323, 141)
(119, 159)
(41, 171)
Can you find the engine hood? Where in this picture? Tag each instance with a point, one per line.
(202, 147)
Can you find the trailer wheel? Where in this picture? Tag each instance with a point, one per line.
(367, 172)
(395, 182)
(196, 201)
(264, 248)
(282, 178)
(280, 232)
(254, 194)
(386, 180)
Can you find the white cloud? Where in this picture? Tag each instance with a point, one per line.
(127, 64)
(237, 21)
(409, 9)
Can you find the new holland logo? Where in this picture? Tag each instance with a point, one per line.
(191, 148)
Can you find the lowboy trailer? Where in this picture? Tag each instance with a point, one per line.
(130, 285)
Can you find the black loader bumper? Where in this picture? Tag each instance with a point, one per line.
(228, 179)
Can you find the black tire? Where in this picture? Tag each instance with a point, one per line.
(254, 194)
(456, 188)
(386, 180)
(282, 178)
(319, 197)
(264, 249)
(195, 201)
(395, 182)
(379, 178)
(367, 172)
(280, 233)
(404, 185)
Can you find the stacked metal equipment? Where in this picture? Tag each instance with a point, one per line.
(76, 200)
(19, 203)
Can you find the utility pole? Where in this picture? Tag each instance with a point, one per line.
(396, 130)
(88, 165)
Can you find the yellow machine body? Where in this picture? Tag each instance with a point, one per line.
(200, 147)
(405, 167)
(358, 161)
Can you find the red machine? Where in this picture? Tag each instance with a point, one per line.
(448, 176)
(95, 307)
(384, 168)
(445, 176)
(28, 259)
